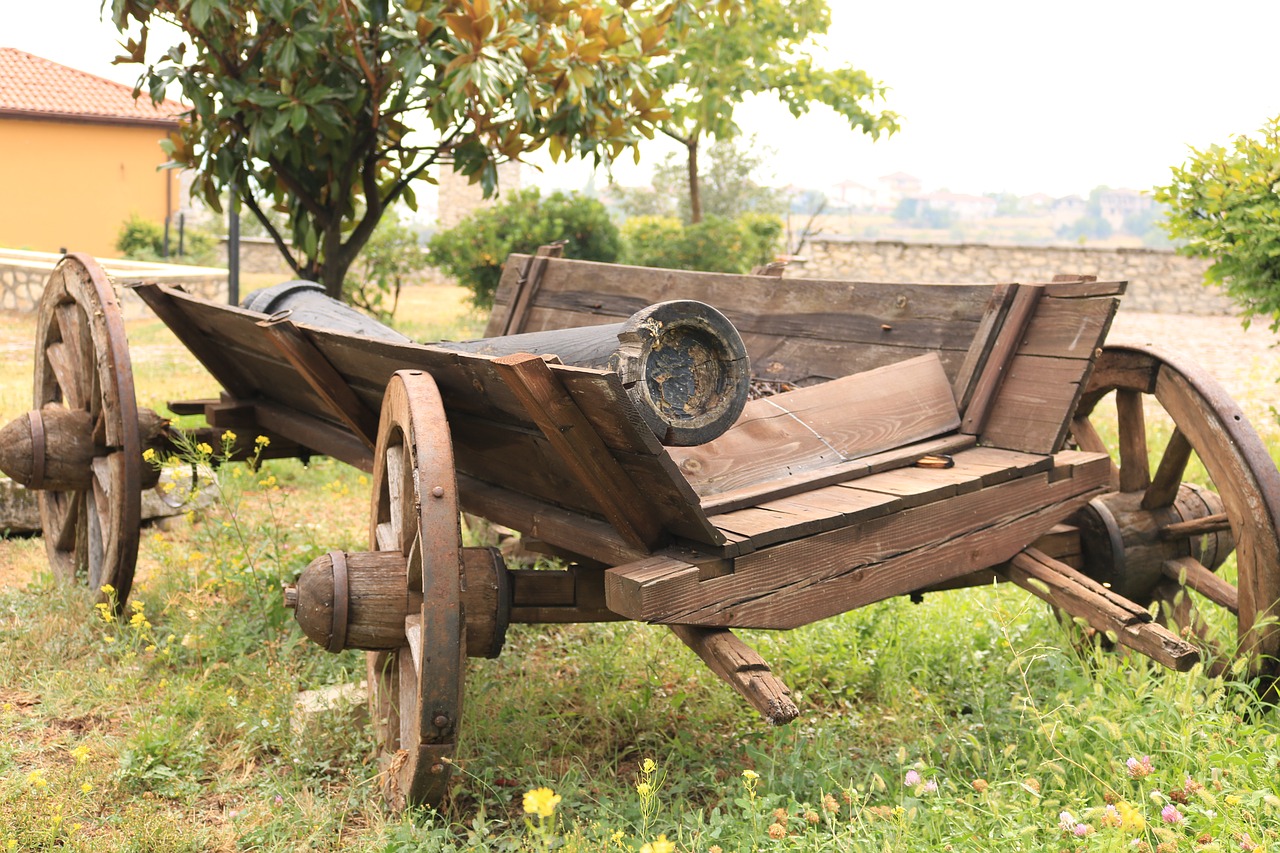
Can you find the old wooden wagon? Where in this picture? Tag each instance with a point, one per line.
(922, 437)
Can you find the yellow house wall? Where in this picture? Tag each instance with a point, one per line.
(72, 185)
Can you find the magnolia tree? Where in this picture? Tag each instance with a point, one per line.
(330, 110)
(1225, 203)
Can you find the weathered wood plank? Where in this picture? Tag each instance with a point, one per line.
(802, 581)
(582, 452)
(743, 669)
(983, 341)
(1036, 401)
(1076, 594)
(986, 388)
(810, 428)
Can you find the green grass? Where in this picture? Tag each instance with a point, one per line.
(968, 722)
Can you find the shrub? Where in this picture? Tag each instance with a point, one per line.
(386, 262)
(475, 249)
(714, 245)
(143, 240)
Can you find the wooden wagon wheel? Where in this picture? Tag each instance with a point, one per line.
(415, 692)
(1156, 538)
(82, 365)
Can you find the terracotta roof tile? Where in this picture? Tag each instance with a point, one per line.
(37, 87)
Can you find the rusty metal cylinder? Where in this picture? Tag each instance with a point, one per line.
(682, 362)
(359, 600)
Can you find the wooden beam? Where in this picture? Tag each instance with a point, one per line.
(1021, 309)
(802, 581)
(580, 448)
(1080, 596)
(323, 378)
(743, 669)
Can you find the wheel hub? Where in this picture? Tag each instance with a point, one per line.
(1122, 544)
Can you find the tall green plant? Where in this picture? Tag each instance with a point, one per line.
(475, 249)
(1225, 203)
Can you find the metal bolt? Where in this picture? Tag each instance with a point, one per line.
(437, 492)
(441, 721)
(437, 769)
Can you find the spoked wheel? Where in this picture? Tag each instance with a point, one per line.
(1159, 539)
(82, 365)
(415, 692)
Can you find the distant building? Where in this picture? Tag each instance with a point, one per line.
(1067, 210)
(80, 156)
(854, 195)
(458, 197)
(891, 189)
(959, 205)
(1116, 206)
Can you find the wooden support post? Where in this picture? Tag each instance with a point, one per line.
(1080, 596)
(743, 669)
(323, 378)
(581, 449)
(527, 287)
(987, 388)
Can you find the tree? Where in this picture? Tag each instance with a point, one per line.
(766, 48)
(1224, 202)
(728, 188)
(330, 110)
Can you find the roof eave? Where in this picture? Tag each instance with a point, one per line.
(86, 118)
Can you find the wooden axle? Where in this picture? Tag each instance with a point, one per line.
(53, 448)
(359, 600)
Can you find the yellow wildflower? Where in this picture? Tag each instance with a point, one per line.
(541, 801)
(644, 789)
(659, 845)
(204, 449)
(36, 779)
(750, 775)
(80, 754)
(648, 766)
(107, 589)
(137, 605)
(86, 788)
(149, 455)
(228, 436)
(1130, 818)
(262, 441)
(109, 639)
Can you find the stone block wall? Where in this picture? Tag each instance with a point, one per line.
(23, 275)
(1160, 281)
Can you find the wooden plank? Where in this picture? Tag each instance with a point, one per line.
(582, 452)
(1085, 290)
(987, 387)
(1128, 623)
(328, 384)
(742, 668)
(805, 329)
(1188, 571)
(320, 435)
(1068, 328)
(1036, 402)
(983, 341)
(572, 532)
(802, 581)
(810, 428)
(164, 302)
(842, 472)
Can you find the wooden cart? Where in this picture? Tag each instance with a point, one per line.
(925, 437)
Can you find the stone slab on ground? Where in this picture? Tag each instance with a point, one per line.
(20, 514)
(309, 704)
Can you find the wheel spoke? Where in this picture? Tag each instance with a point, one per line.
(70, 508)
(1189, 572)
(1209, 524)
(62, 359)
(395, 492)
(1135, 471)
(99, 502)
(1168, 477)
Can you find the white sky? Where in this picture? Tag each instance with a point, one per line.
(994, 95)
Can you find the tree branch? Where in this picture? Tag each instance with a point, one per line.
(252, 203)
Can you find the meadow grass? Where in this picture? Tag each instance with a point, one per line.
(974, 720)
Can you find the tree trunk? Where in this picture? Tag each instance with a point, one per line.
(695, 195)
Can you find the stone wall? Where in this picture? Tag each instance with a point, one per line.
(23, 274)
(258, 255)
(1159, 281)
(458, 197)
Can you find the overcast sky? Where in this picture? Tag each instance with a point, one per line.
(994, 95)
